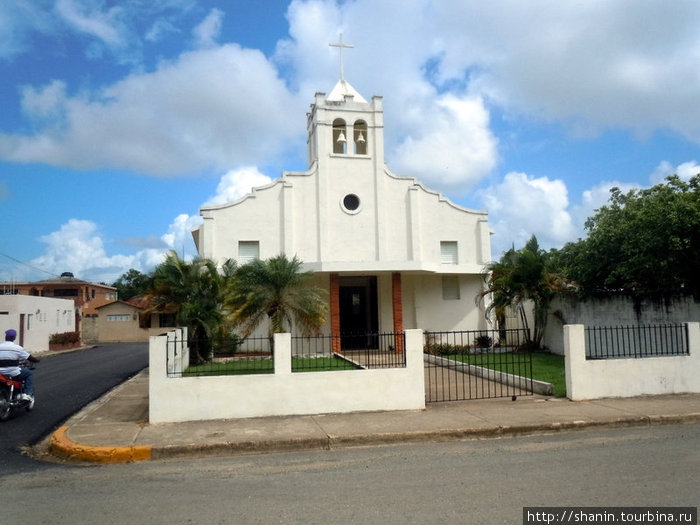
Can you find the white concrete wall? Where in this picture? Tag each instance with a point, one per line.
(614, 311)
(175, 399)
(600, 378)
(43, 316)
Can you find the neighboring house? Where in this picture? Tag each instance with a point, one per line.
(392, 253)
(86, 296)
(36, 319)
(122, 321)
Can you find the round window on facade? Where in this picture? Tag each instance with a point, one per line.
(351, 203)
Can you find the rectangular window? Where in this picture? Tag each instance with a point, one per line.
(60, 292)
(448, 252)
(119, 318)
(450, 287)
(248, 251)
(166, 320)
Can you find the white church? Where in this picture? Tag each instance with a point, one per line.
(391, 253)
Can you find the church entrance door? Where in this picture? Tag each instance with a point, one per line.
(358, 312)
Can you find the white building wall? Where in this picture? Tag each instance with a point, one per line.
(43, 316)
(433, 313)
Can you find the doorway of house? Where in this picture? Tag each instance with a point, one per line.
(358, 312)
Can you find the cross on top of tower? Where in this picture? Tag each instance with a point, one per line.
(340, 45)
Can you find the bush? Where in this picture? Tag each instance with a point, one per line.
(65, 338)
(445, 349)
(483, 341)
(227, 345)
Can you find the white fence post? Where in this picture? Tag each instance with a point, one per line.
(414, 362)
(694, 339)
(283, 354)
(574, 357)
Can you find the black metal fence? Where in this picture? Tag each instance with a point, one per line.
(624, 342)
(255, 355)
(477, 364)
(349, 351)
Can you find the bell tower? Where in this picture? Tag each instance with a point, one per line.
(344, 125)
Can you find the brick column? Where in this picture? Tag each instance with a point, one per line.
(397, 306)
(335, 312)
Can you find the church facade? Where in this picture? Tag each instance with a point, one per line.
(391, 253)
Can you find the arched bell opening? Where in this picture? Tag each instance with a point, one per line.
(339, 136)
(360, 137)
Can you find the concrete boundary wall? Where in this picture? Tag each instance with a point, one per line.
(613, 311)
(628, 377)
(177, 399)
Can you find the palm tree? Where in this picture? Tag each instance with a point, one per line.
(194, 291)
(276, 290)
(519, 276)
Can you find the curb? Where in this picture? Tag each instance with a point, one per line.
(61, 446)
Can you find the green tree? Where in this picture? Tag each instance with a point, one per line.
(276, 290)
(645, 242)
(131, 284)
(520, 276)
(195, 292)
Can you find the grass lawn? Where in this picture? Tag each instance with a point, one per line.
(550, 368)
(266, 366)
(545, 366)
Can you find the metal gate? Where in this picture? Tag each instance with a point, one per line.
(476, 365)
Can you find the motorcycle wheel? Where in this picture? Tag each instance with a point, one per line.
(4, 405)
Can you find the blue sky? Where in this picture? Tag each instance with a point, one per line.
(120, 119)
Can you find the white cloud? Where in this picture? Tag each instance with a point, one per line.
(237, 183)
(521, 206)
(86, 17)
(179, 235)
(593, 64)
(77, 247)
(685, 171)
(45, 103)
(208, 109)
(453, 149)
(208, 30)
(18, 20)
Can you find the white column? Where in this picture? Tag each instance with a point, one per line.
(414, 363)
(574, 357)
(283, 354)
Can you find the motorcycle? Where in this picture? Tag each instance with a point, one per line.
(11, 397)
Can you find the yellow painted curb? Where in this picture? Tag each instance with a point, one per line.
(63, 447)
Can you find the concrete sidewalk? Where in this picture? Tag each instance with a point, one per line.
(115, 428)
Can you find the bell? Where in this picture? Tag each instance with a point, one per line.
(341, 137)
(360, 138)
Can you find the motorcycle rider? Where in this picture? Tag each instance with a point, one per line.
(11, 355)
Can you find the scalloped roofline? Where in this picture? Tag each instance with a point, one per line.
(438, 194)
(283, 180)
(254, 190)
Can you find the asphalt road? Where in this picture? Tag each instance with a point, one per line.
(470, 482)
(64, 383)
